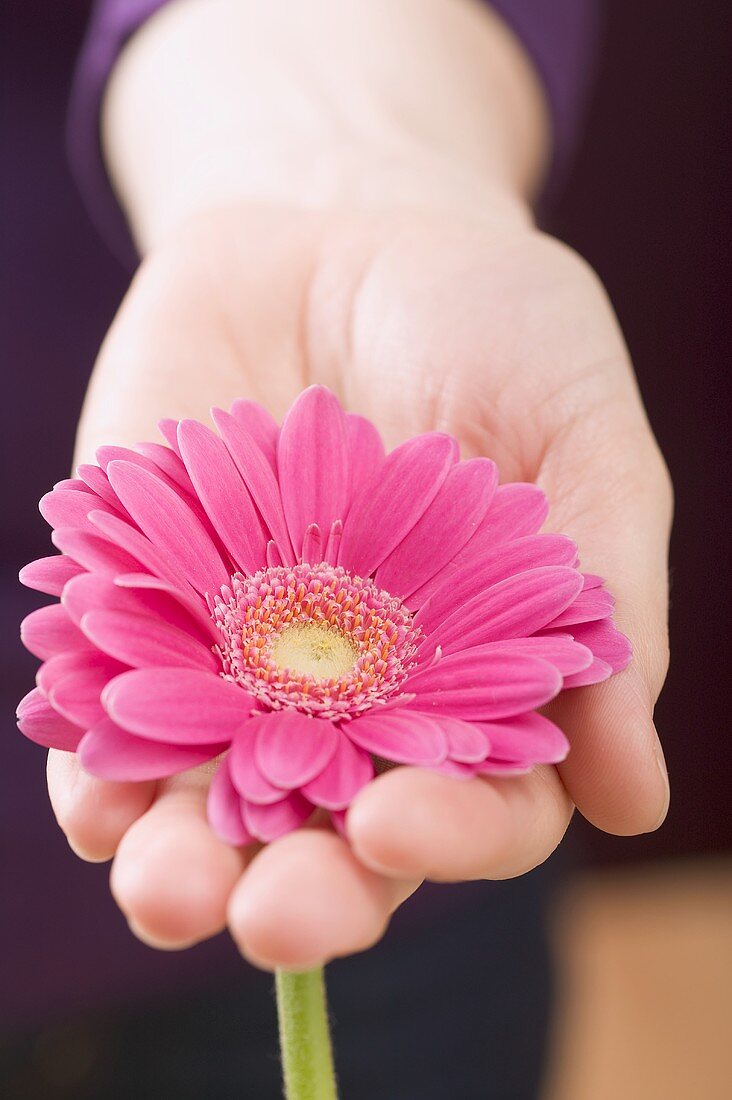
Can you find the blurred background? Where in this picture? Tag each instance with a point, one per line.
(641, 928)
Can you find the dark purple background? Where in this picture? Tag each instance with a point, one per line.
(647, 205)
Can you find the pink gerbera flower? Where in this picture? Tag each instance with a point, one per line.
(305, 610)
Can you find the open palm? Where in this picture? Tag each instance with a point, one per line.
(489, 331)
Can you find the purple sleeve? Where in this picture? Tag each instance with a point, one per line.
(560, 37)
(111, 24)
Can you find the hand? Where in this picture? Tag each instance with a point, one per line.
(480, 327)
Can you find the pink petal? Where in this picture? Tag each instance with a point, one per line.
(168, 462)
(260, 425)
(258, 477)
(595, 674)
(512, 608)
(590, 605)
(606, 642)
(388, 507)
(592, 581)
(333, 546)
(75, 661)
(225, 809)
(342, 778)
(397, 701)
(223, 494)
(561, 650)
(77, 696)
(98, 482)
(142, 641)
(39, 722)
(174, 604)
(274, 558)
(247, 777)
(526, 737)
(456, 584)
(313, 463)
(141, 552)
(406, 737)
(110, 453)
(92, 592)
(448, 523)
(269, 822)
(518, 509)
(474, 685)
(466, 741)
(169, 524)
(50, 574)
(68, 508)
(49, 631)
(366, 451)
(111, 753)
(179, 705)
(169, 430)
(312, 545)
(73, 483)
(291, 748)
(93, 552)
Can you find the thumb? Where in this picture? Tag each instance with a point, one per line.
(616, 502)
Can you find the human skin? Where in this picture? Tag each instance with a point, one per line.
(343, 196)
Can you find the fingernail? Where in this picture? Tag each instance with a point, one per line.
(88, 857)
(153, 941)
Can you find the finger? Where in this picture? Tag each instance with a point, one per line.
(93, 813)
(172, 876)
(306, 899)
(411, 822)
(614, 498)
(615, 770)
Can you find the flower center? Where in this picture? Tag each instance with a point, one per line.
(315, 638)
(313, 649)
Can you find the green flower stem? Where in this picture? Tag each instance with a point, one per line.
(307, 1061)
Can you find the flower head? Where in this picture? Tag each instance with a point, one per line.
(304, 610)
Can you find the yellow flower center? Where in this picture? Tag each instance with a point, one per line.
(314, 649)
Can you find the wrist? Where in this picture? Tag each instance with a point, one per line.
(229, 101)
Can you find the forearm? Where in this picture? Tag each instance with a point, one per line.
(363, 102)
